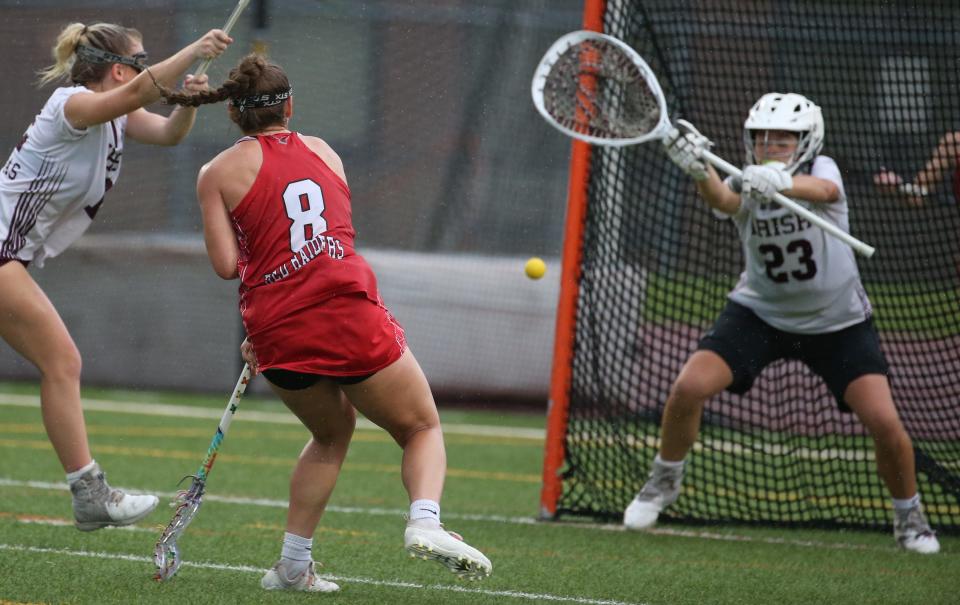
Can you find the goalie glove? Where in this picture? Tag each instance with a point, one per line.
(762, 183)
(686, 150)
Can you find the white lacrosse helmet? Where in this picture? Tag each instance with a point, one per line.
(790, 112)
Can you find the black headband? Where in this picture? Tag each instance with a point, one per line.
(267, 99)
(98, 56)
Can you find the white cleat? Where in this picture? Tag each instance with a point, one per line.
(660, 491)
(280, 578)
(97, 505)
(913, 533)
(428, 540)
(641, 514)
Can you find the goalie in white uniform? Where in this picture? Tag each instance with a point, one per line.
(799, 297)
(51, 187)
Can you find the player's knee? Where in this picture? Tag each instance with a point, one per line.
(336, 430)
(63, 366)
(690, 391)
(891, 436)
(403, 435)
(349, 419)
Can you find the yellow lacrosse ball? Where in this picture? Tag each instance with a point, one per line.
(535, 268)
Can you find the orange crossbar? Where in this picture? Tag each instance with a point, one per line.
(557, 413)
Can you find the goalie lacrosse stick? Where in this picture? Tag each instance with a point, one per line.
(166, 555)
(231, 21)
(595, 88)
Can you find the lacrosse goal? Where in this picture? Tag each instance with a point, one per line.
(646, 269)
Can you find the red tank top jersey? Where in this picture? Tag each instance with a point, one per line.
(309, 302)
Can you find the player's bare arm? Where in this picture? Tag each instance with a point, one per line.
(135, 91)
(718, 195)
(154, 129)
(218, 235)
(813, 189)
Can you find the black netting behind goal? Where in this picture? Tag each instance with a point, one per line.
(657, 265)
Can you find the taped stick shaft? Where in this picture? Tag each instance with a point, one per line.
(242, 4)
(225, 421)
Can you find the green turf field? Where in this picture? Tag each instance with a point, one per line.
(147, 441)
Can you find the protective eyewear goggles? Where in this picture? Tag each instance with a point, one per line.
(96, 55)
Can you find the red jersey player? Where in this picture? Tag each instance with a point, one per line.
(276, 214)
(298, 267)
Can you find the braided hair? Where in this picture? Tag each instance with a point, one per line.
(254, 75)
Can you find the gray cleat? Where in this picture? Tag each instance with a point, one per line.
(96, 504)
(281, 578)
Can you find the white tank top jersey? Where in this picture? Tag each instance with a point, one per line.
(54, 181)
(797, 278)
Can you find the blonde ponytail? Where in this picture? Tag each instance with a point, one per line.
(104, 36)
(63, 51)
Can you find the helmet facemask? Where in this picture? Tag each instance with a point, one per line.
(772, 141)
(790, 113)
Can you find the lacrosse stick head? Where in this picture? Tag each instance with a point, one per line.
(167, 559)
(596, 88)
(166, 554)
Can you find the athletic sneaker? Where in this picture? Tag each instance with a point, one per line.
(660, 491)
(426, 539)
(912, 532)
(96, 504)
(279, 578)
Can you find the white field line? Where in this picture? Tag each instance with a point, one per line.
(269, 503)
(398, 513)
(146, 408)
(707, 535)
(512, 594)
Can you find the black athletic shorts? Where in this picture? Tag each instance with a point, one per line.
(297, 381)
(748, 344)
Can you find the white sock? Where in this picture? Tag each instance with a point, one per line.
(907, 503)
(425, 509)
(658, 461)
(296, 552)
(80, 472)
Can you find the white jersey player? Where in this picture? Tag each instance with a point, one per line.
(798, 297)
(51, 187)
(55, 180)
(797, 278)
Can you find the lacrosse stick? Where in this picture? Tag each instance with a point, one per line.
(166, 556)
(242, 4)
(595, 88)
